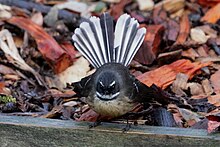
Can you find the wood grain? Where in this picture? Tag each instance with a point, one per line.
(27, 131)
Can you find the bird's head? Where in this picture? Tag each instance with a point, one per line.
(108, 86)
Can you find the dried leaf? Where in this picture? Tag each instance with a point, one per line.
(55, 112)
(214, 99)
(209, 31)
(171, 6)
(184, 29)
(213, 126)
(150, 47)
(212, 15)
(50, 49)
(190, 53)
(13, 56)
(215, 81)
(202, 52)
(173, 30)
(195, 89)
(165, 75)
(75, 72)
(168, 57)
(180, 84)
(117, 10)
(69, 48)
(5, 12)
(208, 2)
(190, 115)
(207, 87)
(6, 70)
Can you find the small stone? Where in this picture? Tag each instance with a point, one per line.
(198, 35)
(145, 5)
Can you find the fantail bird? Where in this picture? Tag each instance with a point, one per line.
(111, 90)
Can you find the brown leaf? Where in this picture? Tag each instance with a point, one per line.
(215, 81)
(173, 30)
(195, 89)
(180, 84)
(169, 57)
(202, 52)
(214, 99)
(212, 15)
(172, 6)
(55, 112)
(70, 49)
(118, 9)
(184, 29)
(150, 47)
(90, 115)
(165, 75)
(190, 53)
(208, 2)
(207, 87)
(50, 49)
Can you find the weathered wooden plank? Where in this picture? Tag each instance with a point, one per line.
(27, 131)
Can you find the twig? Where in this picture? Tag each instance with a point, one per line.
(67, 17)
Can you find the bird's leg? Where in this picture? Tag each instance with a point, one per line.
(127, 127)
(96, 123)
(132, 114)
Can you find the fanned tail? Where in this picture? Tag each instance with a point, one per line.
(128, 38)
(98, 43)
(108, 34)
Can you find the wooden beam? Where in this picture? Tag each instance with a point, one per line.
(28, 131)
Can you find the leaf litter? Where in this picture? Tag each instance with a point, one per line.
(179, 57)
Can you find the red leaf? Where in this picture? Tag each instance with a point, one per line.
(57, 58)
(184, 29)
(150, 47)
(208, 2)
(165, 75)
(212, 15)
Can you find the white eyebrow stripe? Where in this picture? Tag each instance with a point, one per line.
(112, 83)
(101, 83)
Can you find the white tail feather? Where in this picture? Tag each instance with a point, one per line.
(139, 38)
(95, 41)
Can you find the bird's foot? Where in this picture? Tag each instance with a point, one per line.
(127, 127)
(95, 124)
